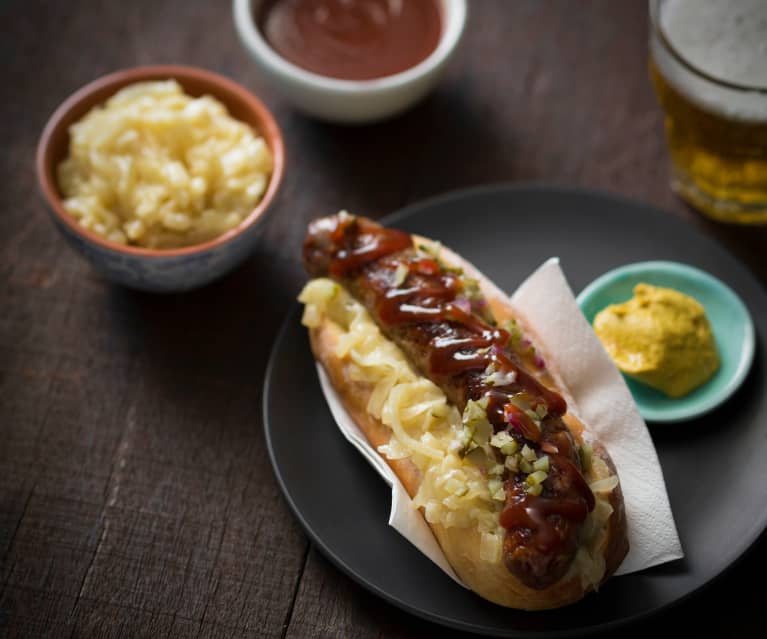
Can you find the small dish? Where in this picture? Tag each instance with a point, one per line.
(151, 269)
(730, 322)
(350, 101)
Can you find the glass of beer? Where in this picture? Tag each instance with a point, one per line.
(708, 62)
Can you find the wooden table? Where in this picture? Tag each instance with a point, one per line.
(136, 498)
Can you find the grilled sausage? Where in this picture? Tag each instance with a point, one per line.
(425, 308)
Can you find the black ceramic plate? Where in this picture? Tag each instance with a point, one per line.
(507, 232)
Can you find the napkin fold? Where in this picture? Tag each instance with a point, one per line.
(596, 393)
(600, 397)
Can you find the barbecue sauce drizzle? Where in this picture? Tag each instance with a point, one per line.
(437, 299)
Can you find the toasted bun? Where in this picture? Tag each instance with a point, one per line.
(461, 546)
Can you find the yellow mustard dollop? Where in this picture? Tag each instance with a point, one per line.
(660, 337)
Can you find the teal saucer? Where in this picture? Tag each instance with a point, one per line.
(730, 322)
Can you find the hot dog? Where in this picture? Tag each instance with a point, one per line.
(445, 382)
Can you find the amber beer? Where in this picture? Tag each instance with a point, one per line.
(709, 66)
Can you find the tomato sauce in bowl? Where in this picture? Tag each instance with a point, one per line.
(352, 39)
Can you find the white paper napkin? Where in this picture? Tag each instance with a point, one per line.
(596, 393)
(600, 397)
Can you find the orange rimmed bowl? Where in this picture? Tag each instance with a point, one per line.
(158, 270)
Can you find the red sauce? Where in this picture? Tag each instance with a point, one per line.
(369, 247)
(464, 345)
(352, 39)
(468, 343)
(521, 421)
(533, 512)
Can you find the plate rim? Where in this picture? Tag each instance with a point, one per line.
(293, 314)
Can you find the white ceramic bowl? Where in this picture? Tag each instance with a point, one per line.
(350, 101)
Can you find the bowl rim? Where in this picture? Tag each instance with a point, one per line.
(453, 23)
(269, 130)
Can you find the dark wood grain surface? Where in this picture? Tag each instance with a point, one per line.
(136, 499)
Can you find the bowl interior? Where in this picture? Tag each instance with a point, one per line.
(247, 17)
(54, 143)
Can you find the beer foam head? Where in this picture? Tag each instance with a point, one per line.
(725, 39)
